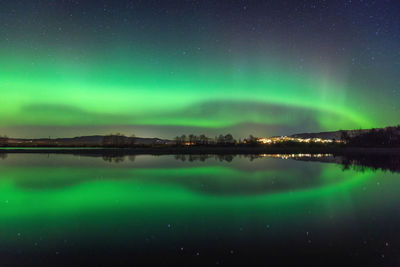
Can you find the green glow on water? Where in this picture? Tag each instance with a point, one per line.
(20, 201)
(53, 199)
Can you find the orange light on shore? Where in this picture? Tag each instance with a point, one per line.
(279, 139)
(265, 140)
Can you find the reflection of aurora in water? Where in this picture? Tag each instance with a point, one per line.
(235, 177)
(47, 199)
(264, 179)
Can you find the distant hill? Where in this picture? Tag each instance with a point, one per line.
(91, 140)
(331, 135)
(395, 130)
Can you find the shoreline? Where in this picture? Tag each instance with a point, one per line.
(201, 150)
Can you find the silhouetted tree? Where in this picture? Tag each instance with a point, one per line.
(115, 140)
(191, 138)
(203, 139)
(344, 136)
(132, 140)
(3, 140)
(113, 159)
(229, 139)
(181, 157)
(183, 138)
(178, 140)
(220, 139)
(252, 140)
(387, 137)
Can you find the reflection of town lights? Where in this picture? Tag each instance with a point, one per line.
(294, 156)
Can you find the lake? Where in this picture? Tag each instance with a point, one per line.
(197, 210)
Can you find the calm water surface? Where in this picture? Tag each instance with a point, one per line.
(189, 210)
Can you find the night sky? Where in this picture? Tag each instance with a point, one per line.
(163, 68)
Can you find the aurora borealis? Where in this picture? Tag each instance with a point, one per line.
(162, 68)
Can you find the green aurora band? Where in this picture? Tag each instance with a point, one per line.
(161, 69)
(125, 88)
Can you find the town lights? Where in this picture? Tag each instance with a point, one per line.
(280, 139)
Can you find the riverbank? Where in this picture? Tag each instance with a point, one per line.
(203, 150)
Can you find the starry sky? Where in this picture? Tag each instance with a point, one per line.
(163, 68)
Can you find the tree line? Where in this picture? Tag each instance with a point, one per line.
(202, 139)
(3, 140)
(385, 137)
(221, 139)
(118, 140)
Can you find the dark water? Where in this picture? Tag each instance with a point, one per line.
(198, 210)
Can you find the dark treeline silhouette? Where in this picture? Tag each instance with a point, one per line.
(219, 157)
(120, 157)
(3, 140)
(204, 157)
(371, 162)
(386, 137)
(118, 140)
(202, 139)
(251, 140)
(114, 159)
(357, 162)
(221, 140)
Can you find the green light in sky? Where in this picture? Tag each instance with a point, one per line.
(127, 89)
